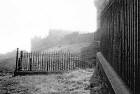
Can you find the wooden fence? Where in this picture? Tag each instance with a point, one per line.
(46, 62)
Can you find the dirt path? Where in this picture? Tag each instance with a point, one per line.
(73, 82)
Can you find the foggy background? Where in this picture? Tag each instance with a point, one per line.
(49, 26)
(21, 20)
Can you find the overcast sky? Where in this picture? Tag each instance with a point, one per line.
(20, 20)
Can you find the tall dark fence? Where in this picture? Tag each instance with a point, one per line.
(54, 61)
(120, 41)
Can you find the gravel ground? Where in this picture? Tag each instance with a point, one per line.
(72, 82)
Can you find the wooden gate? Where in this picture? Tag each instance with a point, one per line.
(46, 62)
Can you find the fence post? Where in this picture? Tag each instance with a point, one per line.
(70, 64)
(46, 60)
(24, 62)
(30, 64)
(20, 61)
(30, 61)
(33, 61)
(17, 59)
(38, 61)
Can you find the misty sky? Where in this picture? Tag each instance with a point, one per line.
(20, 20)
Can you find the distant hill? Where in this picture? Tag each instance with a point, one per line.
(39, 44)
(59, 39)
